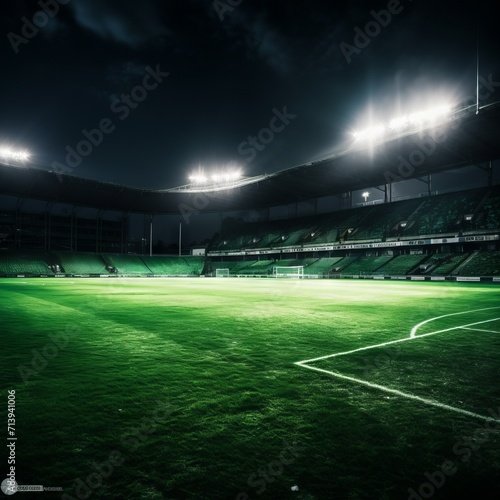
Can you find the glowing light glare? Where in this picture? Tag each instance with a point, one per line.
(365, 195)
(198, 178)
(11, 154)
(420, 118)
(215, 178)
(399, 123)
(403, 123)
(371, 133)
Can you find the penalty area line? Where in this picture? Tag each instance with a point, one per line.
(479, 330)
(416, 327)
(406, 395)
(412, 336)
(390, 342)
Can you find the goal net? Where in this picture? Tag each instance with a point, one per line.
(288, 271)
(222, 273)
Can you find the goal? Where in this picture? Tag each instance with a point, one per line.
(288, 271)
(222, 273)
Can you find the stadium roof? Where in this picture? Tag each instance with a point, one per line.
(467, 140)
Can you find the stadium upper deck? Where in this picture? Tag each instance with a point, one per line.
(467, 139)
(464, 214)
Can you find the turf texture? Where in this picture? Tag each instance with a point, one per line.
(189, 388)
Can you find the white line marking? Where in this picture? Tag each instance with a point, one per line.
(454, 328)
(479, 330)
(404, 394)
(412, 337)
(391, 342)
(351, 352)
(416, 327)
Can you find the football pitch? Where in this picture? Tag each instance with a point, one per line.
(198, 388)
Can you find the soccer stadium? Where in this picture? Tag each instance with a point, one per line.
(322, 356)
(250, 250)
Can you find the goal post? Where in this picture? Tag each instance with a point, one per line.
(222, 273)
(288, 271)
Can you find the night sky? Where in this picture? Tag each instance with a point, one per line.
(174, 85)
(228, 68)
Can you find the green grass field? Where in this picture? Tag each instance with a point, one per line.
(190, 388)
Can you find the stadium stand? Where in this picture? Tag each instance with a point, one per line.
(174, 266)
(481, 264)
(446, 214)
(26, 263)
(441, 264)
(446, 267)
(128, 264)
(468, 214)
(322, 267)
(259, 267)
(324, 230)
(443, 214)
(80, 263)
(366, 264)
(233, 266)
(402, 264)
(343, 263)
(488, 218)
(384, 220)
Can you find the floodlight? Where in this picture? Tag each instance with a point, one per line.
(198, 178)
(371, 133)
(12, 154)
(399, 123)
(218, 177)
(365, 195)
(404, 123)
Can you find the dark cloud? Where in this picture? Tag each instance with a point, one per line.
(259, 40)
(130, 23)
